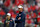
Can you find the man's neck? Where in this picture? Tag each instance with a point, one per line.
(20, 12)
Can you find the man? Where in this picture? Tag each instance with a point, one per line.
(20, 19)
(8, 22)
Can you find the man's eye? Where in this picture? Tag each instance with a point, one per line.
(19, 8)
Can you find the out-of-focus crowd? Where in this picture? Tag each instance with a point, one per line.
(31, 8)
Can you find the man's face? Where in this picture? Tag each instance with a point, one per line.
(20, 9)
(8, 17)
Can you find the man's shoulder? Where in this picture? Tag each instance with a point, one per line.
(23, 13)
(18, 14)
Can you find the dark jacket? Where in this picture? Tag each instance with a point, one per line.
(11, 24)
(21, 22)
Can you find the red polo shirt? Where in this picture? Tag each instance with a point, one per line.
(2, 12)
(7, 3)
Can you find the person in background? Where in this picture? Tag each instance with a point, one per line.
(1, 3)
(8, 22)
(20, 19)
